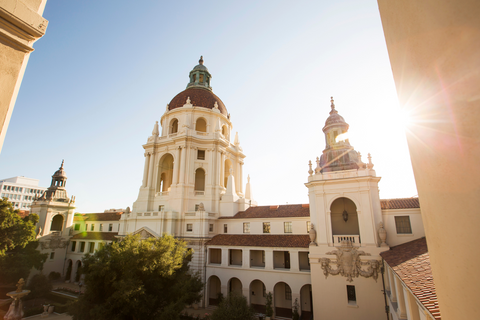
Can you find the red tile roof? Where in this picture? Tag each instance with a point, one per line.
(281, 211)
(401, 203)
(261, 240)
(199, 97)
(411, 262)
(103, 216)
(108, 236)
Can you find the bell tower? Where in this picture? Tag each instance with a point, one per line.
(345, 214)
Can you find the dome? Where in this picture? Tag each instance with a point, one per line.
(334, 118)
(199, 97)
(200, 67)
(60, 172)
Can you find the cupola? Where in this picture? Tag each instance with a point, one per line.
(199, 76)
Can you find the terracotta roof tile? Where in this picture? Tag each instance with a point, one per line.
(282, 211)
(199, 97)
(102, 216)
(261, 240)
(411, 262)
(108, 236)
(400, 203)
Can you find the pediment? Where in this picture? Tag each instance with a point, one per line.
(146, 233)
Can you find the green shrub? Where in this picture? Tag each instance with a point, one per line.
(54, 276)
(39, 286)
(233, 307)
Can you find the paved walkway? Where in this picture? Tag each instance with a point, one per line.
(53, 316)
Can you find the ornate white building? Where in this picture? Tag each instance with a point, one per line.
(324, 255)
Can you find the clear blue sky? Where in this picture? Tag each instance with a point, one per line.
(105, 70)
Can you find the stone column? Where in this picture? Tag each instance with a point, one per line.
(268, 259)
(151, 170)
(145, 170)
(182, 166)
(240, 176)
(402, 312)
(222, 170)
(294, 263)
(176, 164)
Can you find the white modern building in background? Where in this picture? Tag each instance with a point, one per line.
(342, 255)
(20, 191)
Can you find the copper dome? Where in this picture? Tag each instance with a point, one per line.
(199, 97)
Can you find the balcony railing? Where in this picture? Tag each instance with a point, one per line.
(337, 240)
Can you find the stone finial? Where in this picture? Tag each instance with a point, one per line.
(248, 178)
(370, 164)
(231, 171)
(332, 103)
(313, 235)
(318, 168)
(155, 131)
(215, 105)
(201, 60)
(188, 100)
(237, 141)
(310, 171)
(61, 167)
(382, 234)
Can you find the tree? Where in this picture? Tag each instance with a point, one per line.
(18, 244)
(39, 285)
(268, 304)
(138, 279)
(233, 307)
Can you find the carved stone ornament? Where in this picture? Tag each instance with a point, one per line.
(201, 207)
(349, 264)
(382, 234)
(54, 242)
(313, 235)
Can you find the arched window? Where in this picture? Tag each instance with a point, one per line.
(225, 132)
(199, 180)
(344, 217)
(174, 126)
(201, 125)
(57, 223)
(165, 173)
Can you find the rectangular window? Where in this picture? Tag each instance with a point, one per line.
(309, 226)
(196, 207)
(110, 227)
(101, 227)
(210, 228)
(225, 228)
(287, 227)
(86, 227)
(189, 227)
(77, 226)
(52, 255)
(201, 154)
(351, 296)
(91, 247)
(266, 227)
(246, 227)
(403, 224)
(82, 246)
(74, 244)
(288, 292)
(21, 189)
(92, 227)
(161, 208)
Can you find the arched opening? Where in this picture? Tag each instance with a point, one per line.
(235, 286)
(57, 223)
(228, 166)
(214, 290)
(68, 272)
(344, 221)
(199, 180)
(174, 126)
(78, 272)
(258, 293)
(165, 173)
(225, 132)
(282, 296)
(201, 125)
(306, 302)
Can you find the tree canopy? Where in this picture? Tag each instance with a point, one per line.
(138, 279)
(18, 244)
(233, 307)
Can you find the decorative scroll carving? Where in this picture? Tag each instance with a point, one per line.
(56, 241)
(349, 264)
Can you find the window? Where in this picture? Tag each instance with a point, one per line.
(225, 228)
(74, 244)
(210, 228)
(110, 227)
(351, 296)
(101, 227)
(82, 246)
(91, 247)
(199, 180)
(52, 255)
(266, 227)
(161, 208)
(86, 227)
(403, 225)
(92, 227)
(287, 227)
(309, 226)
(246, 227)
(201, 154)
(288, 292)
(174, 126)
(189, 227)
(196, 207)
(77, 226)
